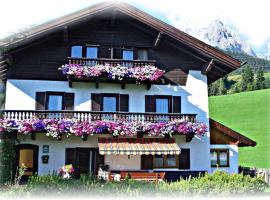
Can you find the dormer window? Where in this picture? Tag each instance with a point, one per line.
(76, 51)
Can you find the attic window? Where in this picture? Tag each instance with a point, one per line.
(127, 54)
(91, 52)
(76, 51)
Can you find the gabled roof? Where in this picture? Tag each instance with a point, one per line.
(202, 48)
(242, 140)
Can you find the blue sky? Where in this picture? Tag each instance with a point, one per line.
(250, 17)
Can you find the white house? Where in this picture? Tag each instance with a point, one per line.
(112, 85)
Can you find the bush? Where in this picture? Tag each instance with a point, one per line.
(216, 184)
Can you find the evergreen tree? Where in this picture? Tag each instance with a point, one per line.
(260, 84)
(247, 78)
(213, 89)
(222, 90)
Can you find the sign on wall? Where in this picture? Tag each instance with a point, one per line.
(45, 149)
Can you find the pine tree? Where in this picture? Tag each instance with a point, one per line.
(247, 78)
(222, 90)
(260, 80)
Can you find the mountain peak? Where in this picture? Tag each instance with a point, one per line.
(219, 35)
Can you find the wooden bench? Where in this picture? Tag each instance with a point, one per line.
(143, 176)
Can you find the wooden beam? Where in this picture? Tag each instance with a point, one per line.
(97, 83)
(207, 67)
(113, 17)
(123, 84)
(65, 30)
(157, 40)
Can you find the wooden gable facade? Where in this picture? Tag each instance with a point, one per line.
(221, 134)
(111, 25)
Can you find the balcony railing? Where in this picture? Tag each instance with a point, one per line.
(95, 116)
(111, 62)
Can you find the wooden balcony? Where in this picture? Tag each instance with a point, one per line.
(95, 116)
(112, 62)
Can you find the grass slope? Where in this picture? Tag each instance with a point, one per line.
(249, 114)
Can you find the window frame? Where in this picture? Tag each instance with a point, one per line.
(218, 151)
(143, 49)
(55, 94)
(127, 49)
(84, 49)
(91, 46)
(165, 163)
(168, 97)
(70, 50)
(110, 95)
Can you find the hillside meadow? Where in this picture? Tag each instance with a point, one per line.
(249, 114)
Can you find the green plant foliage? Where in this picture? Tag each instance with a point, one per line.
(216, 184)
(7, 160)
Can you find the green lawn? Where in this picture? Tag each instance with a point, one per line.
(249, 114)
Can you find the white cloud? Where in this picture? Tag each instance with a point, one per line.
(250, 17)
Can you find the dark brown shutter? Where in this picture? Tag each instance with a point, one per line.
(117, 102)
(99, 160)
(96, 101)
(184, 159)
(147, 162)
(124, 103)
(176, 104)
(40, 100)
(135, 54)
(104, 52)
(71, 156)
(69, 101)
(150, 104)
(117, 53)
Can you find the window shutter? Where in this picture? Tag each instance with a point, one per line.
(124, 103)
(99, 160)
(150, 104)
(135, 54)
(96, 102)
(176, 104)
(117, 53)
(184, 159)
(69, 101)
(40, 100)
(104, 52)
(147, 162)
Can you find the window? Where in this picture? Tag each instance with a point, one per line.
(166, 161)
(142, 54)
(91, 52)
(55, 102)
(109, 104)
(127, 55)
(76, 51)
(220, 157)
(162, 105)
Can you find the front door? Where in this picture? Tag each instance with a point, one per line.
(27, 158)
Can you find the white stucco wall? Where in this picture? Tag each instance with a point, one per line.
(233, 158)
(20, 94)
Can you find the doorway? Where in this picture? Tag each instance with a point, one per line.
(27, 157)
